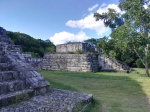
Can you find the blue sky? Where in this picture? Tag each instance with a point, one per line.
(58, 20)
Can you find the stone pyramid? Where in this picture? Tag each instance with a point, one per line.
(17, 78)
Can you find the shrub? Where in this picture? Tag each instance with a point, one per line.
(139, 63)
(69, 52)
(79, 51)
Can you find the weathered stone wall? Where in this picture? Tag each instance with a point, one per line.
(75, 47)
(70, 62)
(35, 62)
(66, 48)
(82, 62)
(3, 36)
(10, 47)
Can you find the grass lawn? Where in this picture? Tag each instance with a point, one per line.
(112, 92)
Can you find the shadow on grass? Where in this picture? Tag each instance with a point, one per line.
(140, 71)
(92, 106)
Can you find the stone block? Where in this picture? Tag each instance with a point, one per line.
(3, 88)
(70, 62)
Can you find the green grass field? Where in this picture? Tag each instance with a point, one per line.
(112, 92)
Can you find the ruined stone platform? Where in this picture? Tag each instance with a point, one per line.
(55, 101)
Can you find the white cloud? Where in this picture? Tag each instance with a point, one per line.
(93, 7)
(103, 5)
(63, 37)
(89, 22)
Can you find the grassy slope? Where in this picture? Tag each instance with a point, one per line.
(113, 92)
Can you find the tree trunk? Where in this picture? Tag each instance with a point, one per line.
(146, 60)
(145, 63)
(139, 55)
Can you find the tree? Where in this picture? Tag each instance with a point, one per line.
(36, 47)
(132, 27)
(118, 50)
(103, 44)
(92, 41)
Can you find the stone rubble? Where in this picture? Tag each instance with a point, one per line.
(55, 101)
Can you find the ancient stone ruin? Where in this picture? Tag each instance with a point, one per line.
(20, 81)
(82, 57)
(77, 56)
(76, 47)
(74, 56)
(16, 76)
(70, 62)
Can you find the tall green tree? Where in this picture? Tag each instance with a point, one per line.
(131, 27)
(118, 50)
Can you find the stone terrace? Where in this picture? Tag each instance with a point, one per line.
(55, 101)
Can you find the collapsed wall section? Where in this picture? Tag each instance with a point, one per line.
(70, 62)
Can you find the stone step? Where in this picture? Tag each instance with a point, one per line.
(3, 59)
(54, 101)
(8, 75)
(6, 67)
(1, 52)
(1, 49)
(15, 97)
(11, 86)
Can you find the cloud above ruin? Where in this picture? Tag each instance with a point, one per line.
(87, 22)
(63, 37)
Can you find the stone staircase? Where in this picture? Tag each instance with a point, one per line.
(12, 87)
(109, 64)
(18, 79)
(94, 63)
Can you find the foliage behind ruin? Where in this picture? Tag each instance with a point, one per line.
(36, 47)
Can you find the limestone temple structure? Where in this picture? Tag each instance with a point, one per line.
(82, 57)
(77, 56)
(75, 47)
(19, 81)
